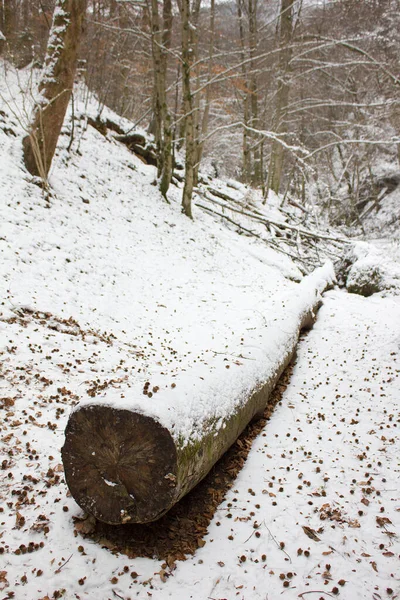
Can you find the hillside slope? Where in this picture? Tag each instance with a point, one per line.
(105, 287)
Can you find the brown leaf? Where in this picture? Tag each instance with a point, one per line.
(354, 523)
(105, 543)
(382, 521)
(7, 402)
(86, 525)
(19, 520)
(171, 562)
(373, 564)
(311, 533)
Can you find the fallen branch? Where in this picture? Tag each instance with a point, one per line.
(266, 221)
(270, 242)
(315, 592)
(228, 198)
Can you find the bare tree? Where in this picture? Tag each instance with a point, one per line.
(160, 43)
(248, 36)
(55, 87)
(189, 33)
(282, 95)
(203, 126)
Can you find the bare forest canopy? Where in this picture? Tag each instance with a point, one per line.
(301, 98)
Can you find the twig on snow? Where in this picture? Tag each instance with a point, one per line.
(278, 545)
(63, 565)
(315, 592)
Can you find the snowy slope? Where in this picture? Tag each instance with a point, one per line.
(105, 286)
(184, 300)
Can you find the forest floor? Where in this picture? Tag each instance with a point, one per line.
(314, 512)
(103, 285)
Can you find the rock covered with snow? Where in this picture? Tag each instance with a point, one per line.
(366, 270)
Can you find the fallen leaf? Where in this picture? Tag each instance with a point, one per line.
(163, 575)
(105, 543)
(171, 562)
(86, 525)
(354, 523)
(382, 521)
(19, 520)
(311, 533)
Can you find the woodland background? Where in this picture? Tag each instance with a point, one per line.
(294, 96)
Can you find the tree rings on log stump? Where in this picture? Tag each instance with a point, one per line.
(120, 466)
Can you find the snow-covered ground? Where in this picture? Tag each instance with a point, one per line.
(104, 287)
(316, 510)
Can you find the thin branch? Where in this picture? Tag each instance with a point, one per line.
(63, 565)
(315, 592)
(266, 221)
(252, 233)
(279, 546)
(347, 142)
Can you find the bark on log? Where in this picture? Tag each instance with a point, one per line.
(125, 467)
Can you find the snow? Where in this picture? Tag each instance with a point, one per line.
(387, 216)
(186, 408)
(305, 470)
(371, 269)
(104, 287)
(178, 291)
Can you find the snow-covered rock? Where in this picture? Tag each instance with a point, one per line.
(366, 270)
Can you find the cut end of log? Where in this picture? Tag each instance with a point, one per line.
(120, 466)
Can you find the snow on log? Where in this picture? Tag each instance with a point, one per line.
(125, 466)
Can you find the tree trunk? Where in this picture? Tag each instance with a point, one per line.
(167, 155)
(55, 87)
(190, 156)
(256, 175)
(245, 144)
(123, 466)
(282, 98)
(160, 42)
(9, 19)
(206, 113)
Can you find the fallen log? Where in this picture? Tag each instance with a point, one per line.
(136, 142)
(125, 466)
